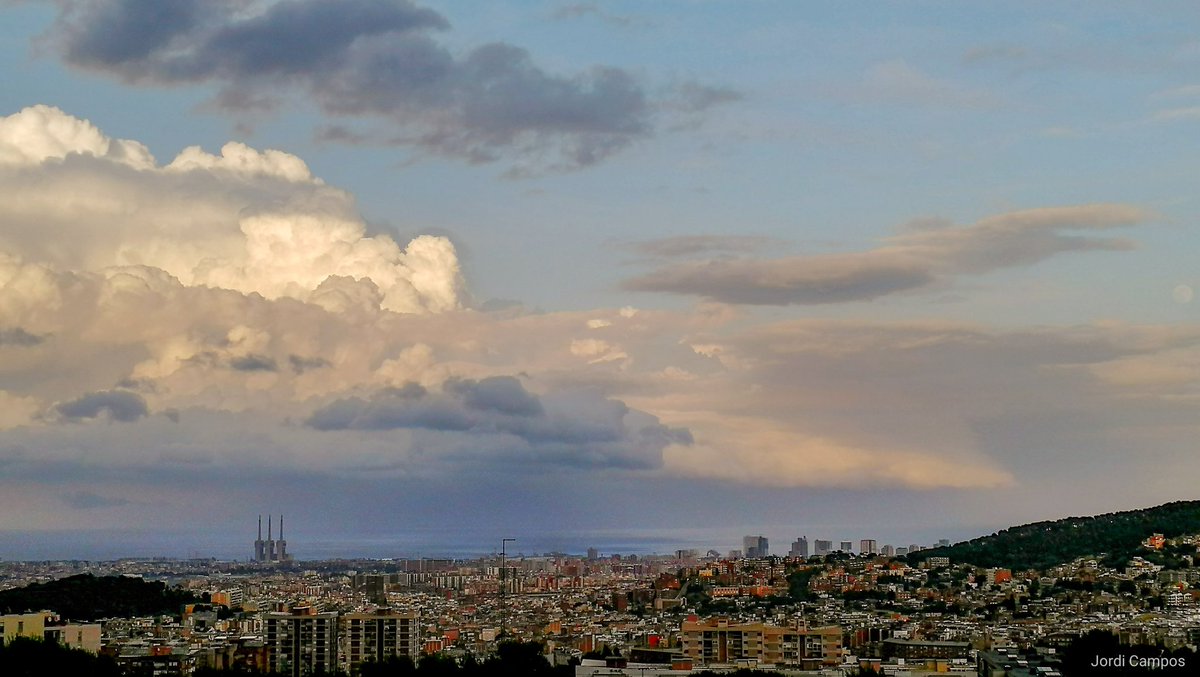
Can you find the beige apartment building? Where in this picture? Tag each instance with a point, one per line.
(379, 635)
(716, 640)
(45, 625)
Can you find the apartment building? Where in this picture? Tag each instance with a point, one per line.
(717, 640)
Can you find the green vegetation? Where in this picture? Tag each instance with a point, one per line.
(25, 657)
(1117, 536)
(798, 583)
(86, 597)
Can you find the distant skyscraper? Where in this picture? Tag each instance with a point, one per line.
(887, 551)
(914, 548)
(593, 553)
(799, 547)
(822, 548)
(901, 551)
(846, 546)
(943, 543)
(865, 547)
(755, 546)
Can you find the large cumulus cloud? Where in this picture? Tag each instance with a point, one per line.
(367, 59)
(248, 220)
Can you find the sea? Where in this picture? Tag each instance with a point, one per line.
(465, 543)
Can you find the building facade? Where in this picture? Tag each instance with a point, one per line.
(717, 640)
(378, 636)
(755, 546)
(301, 642)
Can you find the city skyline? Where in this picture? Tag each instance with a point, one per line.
(543, 268)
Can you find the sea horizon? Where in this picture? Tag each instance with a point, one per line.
(118, 544)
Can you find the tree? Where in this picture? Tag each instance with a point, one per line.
(26, 657)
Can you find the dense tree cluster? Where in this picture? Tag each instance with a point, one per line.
(25, 657)
(86, 597)
(1118, 536)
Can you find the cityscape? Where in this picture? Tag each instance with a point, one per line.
(844, 609)
(567, 338)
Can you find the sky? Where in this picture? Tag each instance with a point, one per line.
(659, 273)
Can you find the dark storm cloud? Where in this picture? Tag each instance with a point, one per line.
(506, 420)
(301, 364)
(374, 59)
(253, 363)
(503, 394)
(117, 405)
(117, 34)
(927, 252)
(17, 336)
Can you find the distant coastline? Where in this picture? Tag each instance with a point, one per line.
(108, 545)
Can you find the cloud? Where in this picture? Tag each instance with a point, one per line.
(301, 364)
(499, 415)
(374, 60)
(927, 252)
(1174, 114)
(253, 363)
(17, 336)
(41, 133)
(116, 405)
(17, 410)
(580, 10)
(243, 350)
(86, 500)
(255, 221)
(849, 402)
(693, 97)
(692, 245)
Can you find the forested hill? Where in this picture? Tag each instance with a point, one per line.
(1116, 535)
(86, 597)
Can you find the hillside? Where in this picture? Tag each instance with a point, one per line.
(86, 597)
(1117, 536)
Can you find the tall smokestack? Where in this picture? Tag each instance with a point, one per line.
(260, 527)
(268, 527)
(281, 526)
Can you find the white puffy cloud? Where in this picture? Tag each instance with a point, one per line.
(255, 221)
(40, 133)
(238, 157)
